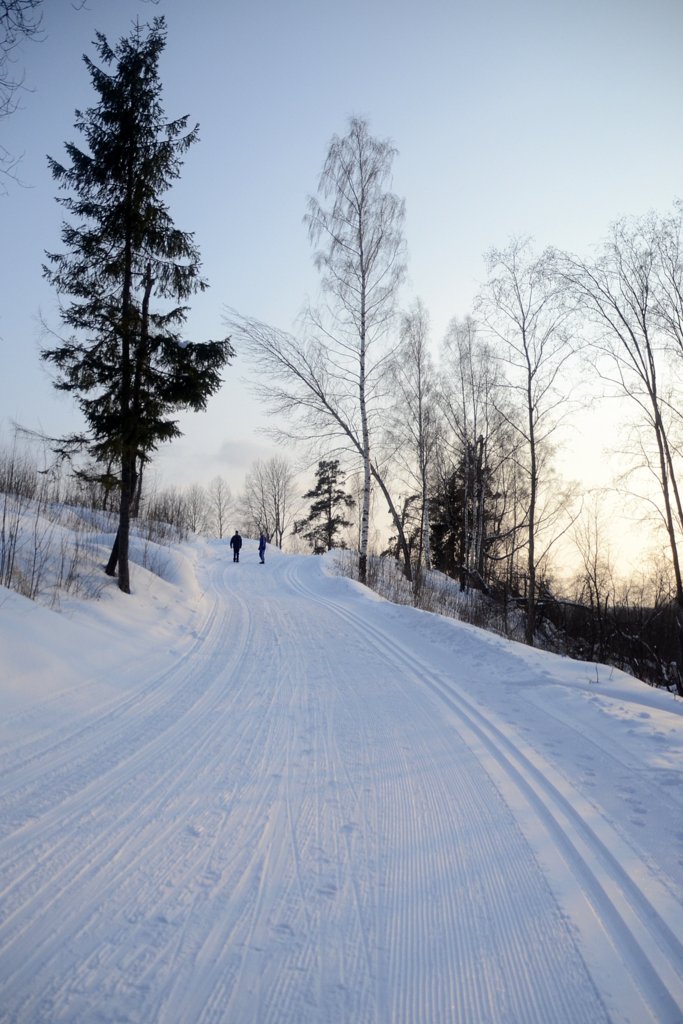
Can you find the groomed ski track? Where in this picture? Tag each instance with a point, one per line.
(306, 811)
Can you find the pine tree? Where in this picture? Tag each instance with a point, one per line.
(127, 364)
(329, 500)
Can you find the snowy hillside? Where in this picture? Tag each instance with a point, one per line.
(260, 794)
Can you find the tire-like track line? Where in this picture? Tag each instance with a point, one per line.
(642, 928)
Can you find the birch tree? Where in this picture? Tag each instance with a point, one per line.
(522, 306)
(294, 379)
(329, 383)
(358, 225)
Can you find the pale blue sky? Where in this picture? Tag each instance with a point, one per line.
(533, 117)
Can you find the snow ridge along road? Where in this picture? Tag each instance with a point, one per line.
(310, 805)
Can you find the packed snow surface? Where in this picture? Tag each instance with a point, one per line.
(257, 793)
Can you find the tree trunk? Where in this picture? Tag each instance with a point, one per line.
(110, 567)
(479, 518)
(403, 543)
(531, 590)
(426, 543)
(120, 548)
(127, 486)
(126, 393)
(365, 513)
(465, 518)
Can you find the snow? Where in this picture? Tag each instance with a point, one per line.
(255, 793)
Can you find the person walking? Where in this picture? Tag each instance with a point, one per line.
(236, 544)
(262, 548)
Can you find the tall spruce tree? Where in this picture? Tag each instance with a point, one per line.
(328, 502)
(127, 364)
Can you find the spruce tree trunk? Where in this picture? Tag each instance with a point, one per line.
(110, 567)
(127, 486)
(119, 551)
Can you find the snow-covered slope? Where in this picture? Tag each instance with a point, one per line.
(260, 794)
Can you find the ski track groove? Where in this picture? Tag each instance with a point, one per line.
(71, 809)
(73, 868)
(280, 875)
(59, 755)
(322, 888)
(251, 885)
(634, 923)
(437, 975)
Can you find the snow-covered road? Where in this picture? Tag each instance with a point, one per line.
(294, 802)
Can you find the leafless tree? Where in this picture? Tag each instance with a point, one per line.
(169, 506)
(522, 306)
(268, 502)
(630, 296)
(596, 579)
(330, 383)
(668, 294)
(196, 508)
(219, 500)
(295, 381)
(358, 225)
(412, 424)
(20, 20)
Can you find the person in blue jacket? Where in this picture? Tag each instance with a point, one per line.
(236, 544)
(262, 548)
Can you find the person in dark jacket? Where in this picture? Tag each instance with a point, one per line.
(236, 544)
(262, 548)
